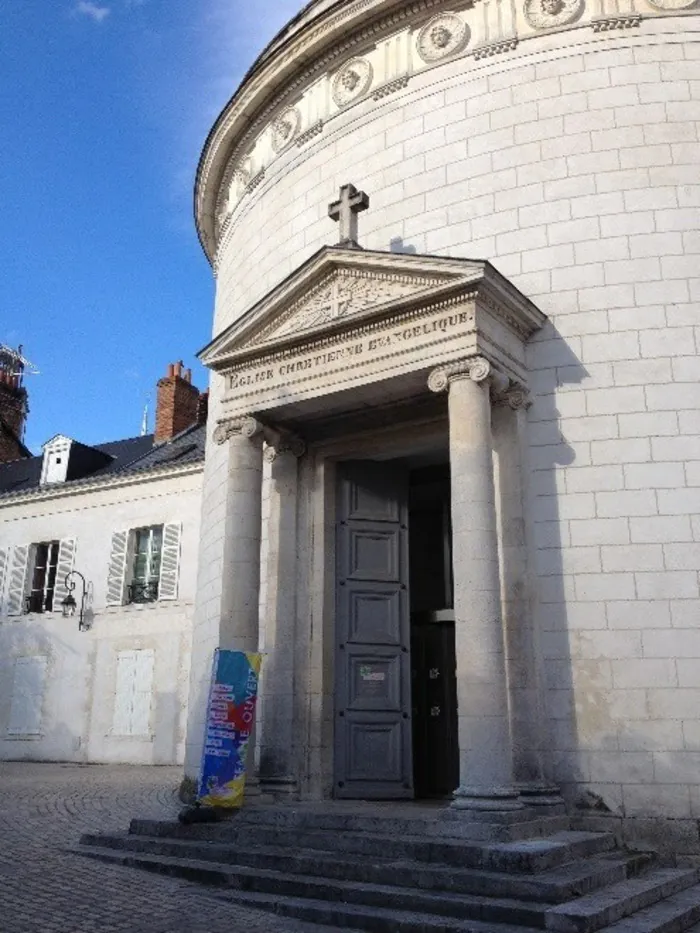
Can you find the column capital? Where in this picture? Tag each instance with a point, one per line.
(282, 442)
(515, 396)
(227, 428)
(475, 368)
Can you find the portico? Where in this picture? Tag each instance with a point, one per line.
(360, 368)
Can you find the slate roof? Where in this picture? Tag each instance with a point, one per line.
(129, 456)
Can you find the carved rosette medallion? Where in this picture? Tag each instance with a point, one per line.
(285, 129)
(352, 81)
(443, 36)
(546, 14)
(673, 4)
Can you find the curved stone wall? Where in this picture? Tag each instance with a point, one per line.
(561, 141)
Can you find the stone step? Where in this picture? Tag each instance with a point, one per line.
(385, 897)
(407, 820)
(448, 826)
(525, 855)
(595, 911)
(371, 919)
(381, 907)
(673, 915)
(553, 886)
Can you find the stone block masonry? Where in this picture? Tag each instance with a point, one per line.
(571, 163)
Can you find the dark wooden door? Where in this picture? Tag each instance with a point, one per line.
(373, 758)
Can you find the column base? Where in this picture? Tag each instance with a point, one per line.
(490, 799)
(539, 794)
(284, 787)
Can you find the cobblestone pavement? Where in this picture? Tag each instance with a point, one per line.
(44, 889)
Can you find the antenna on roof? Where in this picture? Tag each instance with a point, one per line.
(144, 420)
(14, 365)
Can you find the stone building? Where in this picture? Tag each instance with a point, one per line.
(125, 517)
(453, 465)
(13, 406)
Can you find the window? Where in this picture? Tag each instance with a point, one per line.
(43, 577)
(37, 574)
(144, 565)
(145, 572)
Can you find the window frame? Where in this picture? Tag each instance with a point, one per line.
(41, 593)
(149, 581)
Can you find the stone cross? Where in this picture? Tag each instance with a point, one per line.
(351, 203)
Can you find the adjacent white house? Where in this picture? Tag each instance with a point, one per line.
(123, 517)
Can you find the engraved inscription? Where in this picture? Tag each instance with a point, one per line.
(282, 372)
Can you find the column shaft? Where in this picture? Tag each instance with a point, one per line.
(243, 527)
(484, 731)
(277, 697)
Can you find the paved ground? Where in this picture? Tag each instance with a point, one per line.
(43, 889)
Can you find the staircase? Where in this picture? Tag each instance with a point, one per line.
(416, 873)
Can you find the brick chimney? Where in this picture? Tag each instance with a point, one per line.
(178, 403)
(13, 407)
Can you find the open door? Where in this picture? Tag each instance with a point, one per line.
(373, 757)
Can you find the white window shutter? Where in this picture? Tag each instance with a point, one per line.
(170, 562)
(27, 696)
(66, 556)
(134, 690)
(124, 692)
(18, 580)
(143, 687)
(4, 563)
(116, 576)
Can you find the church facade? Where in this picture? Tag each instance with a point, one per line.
(451, 488)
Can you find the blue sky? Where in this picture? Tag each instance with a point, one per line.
(104, 108)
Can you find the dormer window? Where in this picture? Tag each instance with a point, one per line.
(54, 469)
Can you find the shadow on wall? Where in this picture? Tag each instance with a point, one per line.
(550, 454)
(166, 713)
(397, 245)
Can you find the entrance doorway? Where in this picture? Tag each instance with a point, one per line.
(396, 704)
(433, 661)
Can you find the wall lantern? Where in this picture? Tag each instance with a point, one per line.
(69, 604)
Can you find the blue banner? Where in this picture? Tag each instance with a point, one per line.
(230, 716)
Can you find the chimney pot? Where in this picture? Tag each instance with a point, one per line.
(177, 406)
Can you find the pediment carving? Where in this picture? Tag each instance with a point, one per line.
(341, 294)
(352, 317)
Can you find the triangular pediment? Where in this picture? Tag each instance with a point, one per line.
(336, 288)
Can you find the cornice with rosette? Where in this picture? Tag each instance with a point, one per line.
(503, 390)
(249, 108)
(326, 38)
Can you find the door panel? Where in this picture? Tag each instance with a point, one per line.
(373, 551)
(373, 703)
(375, 615)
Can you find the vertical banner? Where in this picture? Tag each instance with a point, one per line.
(230, 716)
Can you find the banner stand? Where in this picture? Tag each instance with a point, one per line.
(233, 695)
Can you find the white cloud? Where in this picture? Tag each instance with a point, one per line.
(93, 10)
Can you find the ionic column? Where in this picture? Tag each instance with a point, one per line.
(276, 732)
(486, 760)
(228, 580)
(240, 596)
(523, 653)
(243, 526)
